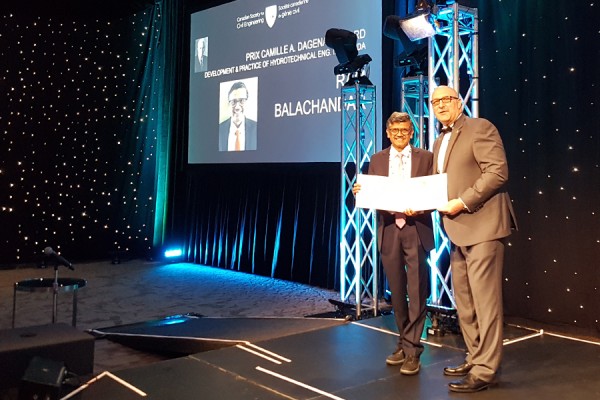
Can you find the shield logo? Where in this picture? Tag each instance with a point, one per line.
(271, 15)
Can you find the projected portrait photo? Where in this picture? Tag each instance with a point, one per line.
(201, 55)
(237, 115)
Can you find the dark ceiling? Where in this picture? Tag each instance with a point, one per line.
(74, 8)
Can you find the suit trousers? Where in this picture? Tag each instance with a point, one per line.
(477, 287)
(405, 265)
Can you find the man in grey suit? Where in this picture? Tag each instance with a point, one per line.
(477, 218)
(237, 133)
(404, 240)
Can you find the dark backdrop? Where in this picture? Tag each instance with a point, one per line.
(539, 70)
(92, 151)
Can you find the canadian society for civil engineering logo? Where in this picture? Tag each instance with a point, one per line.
(271, 15)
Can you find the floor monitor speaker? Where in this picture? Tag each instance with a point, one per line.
(42, 380)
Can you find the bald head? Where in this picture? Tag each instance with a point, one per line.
(446, 104)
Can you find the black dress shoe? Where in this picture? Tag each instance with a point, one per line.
(460, 370)
(469, 384)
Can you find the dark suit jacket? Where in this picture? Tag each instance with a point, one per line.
(421, 165)
(201, 67)
(250, 134)
(477, 173)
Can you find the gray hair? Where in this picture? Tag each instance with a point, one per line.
(398, 117)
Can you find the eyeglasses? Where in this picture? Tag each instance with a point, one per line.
(395, 131)
(444, 100)
(241, 102)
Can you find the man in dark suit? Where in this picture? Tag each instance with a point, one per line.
(404, 241)
(477, 218)
(201, 63)
(237, 133)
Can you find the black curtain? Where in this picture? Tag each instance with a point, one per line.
(539, 81)
(275, 220)
(86, 126)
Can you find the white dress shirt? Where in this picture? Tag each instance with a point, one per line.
(400, 163)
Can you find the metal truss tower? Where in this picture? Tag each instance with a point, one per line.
(454, 61)
(415, 96)
(415, 92)
(454, 58)
(359, 253)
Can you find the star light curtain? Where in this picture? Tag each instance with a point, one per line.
(539, 81)
(84, 132)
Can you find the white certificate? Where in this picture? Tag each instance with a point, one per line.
(395, 194)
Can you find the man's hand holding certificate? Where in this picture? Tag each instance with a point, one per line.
(393, 194)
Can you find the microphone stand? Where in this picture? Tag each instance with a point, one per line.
(55, 293)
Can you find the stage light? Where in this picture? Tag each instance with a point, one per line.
(422, 5)
(415, 60)
(412, 54)
(420, 24)
(418, 27)
(343, 42)
(173, 253)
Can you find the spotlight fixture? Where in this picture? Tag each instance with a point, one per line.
(416, 61)
(413, 54)
(343, 42)
(172, 255)
(421, 23)
(423, 5)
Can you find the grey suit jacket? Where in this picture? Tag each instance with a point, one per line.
(421, 164)
(477, 173)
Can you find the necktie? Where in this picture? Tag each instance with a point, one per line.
(238, 144)
(397, 166)
(400, 217)
(400, 166)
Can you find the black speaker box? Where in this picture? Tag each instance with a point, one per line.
(42, 380)
(54, 342)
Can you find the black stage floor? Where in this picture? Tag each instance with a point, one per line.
(346, 360)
